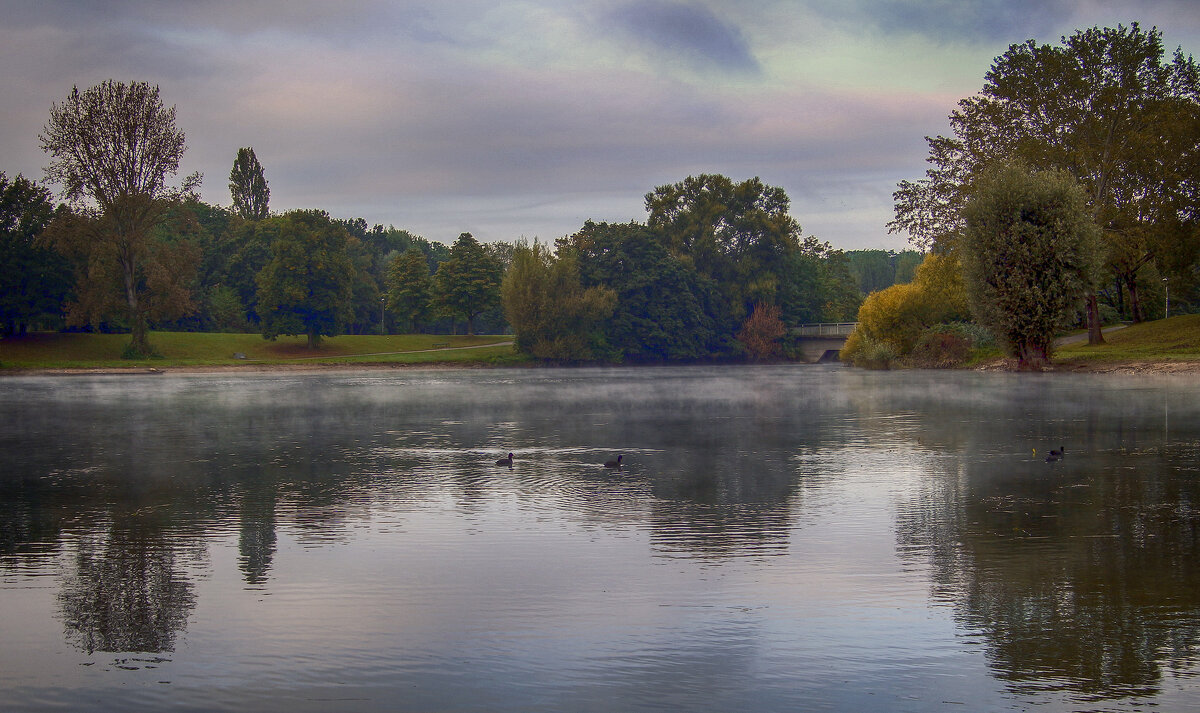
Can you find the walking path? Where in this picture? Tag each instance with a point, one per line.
(411, 351)
(1082, 337)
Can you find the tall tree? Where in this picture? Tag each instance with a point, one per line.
(112, 148)
(468, 282)
(248, 186)
(34, 279)
(1029, 253)
(737, 234)
(409, 286)
(1105, 107)
(308, 284)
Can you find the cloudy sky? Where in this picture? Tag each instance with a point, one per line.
(526, 118)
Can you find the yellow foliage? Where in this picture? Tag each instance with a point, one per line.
(892, 320)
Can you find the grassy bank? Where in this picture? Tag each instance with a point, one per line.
(1165, 340)
(191, 349)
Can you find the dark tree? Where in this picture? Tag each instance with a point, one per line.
(468, 283)
(308, 284)
(34, 280)
(248, 186)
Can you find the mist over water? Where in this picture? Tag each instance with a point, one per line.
(778, 538)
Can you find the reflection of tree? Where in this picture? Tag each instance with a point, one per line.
(126, 594)
(256, 542)
(1080, 574)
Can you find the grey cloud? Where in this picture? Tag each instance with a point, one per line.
(686, 30)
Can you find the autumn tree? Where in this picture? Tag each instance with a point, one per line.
(891, 321)
(248, 186)
(762, 331)
(409, 286)
(307, 286)
(1030, 257)
(468, 282)
(1106, 107)
(34, 279)
(112, 148)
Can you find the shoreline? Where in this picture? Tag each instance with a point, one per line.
(1144, 367)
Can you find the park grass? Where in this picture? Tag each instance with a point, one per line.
(196, 349)
(1176, 339)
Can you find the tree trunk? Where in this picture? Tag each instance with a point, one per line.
(471, 325)
(1135, 304)
(314, 340)
(1095, 336)
(1032, 357)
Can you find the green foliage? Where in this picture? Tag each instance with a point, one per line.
(34, 280)
(468, 282)
(248, 186)
(736, 234)
(875, 270)
(409, 286)
(553, 315)
(665, 311)
(307, 285)
(224, 309)
(1030, 254)
(1107, 107)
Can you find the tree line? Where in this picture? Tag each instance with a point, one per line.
(1068, 191)
(719, 269)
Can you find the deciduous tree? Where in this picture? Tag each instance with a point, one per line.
(1106, 107)
(1030, 256)
(112, 148)
(553, 315)
(34, 279)
(308, 284)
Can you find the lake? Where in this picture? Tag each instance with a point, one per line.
(794, 537)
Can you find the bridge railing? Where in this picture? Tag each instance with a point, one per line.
(825, 329)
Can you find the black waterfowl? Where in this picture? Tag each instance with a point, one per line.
(506, 461)
(1056, 454)
(613, 463)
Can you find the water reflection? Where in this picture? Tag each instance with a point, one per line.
(1079, 574)
(766, 522)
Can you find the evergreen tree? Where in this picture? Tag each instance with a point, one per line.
(468, 282)
(409, 286)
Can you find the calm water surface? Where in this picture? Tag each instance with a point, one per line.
(780, 538)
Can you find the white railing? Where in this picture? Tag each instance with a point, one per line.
(835, 329)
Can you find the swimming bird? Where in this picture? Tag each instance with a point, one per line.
(506, 461)
(613, 463)
(1056, 454)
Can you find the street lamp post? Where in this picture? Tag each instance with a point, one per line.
(1167, 293)
(382, 329)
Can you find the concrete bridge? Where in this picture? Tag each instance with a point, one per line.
(822, 342)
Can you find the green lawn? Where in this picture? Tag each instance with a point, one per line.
(1174, 339)
(59, 351)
